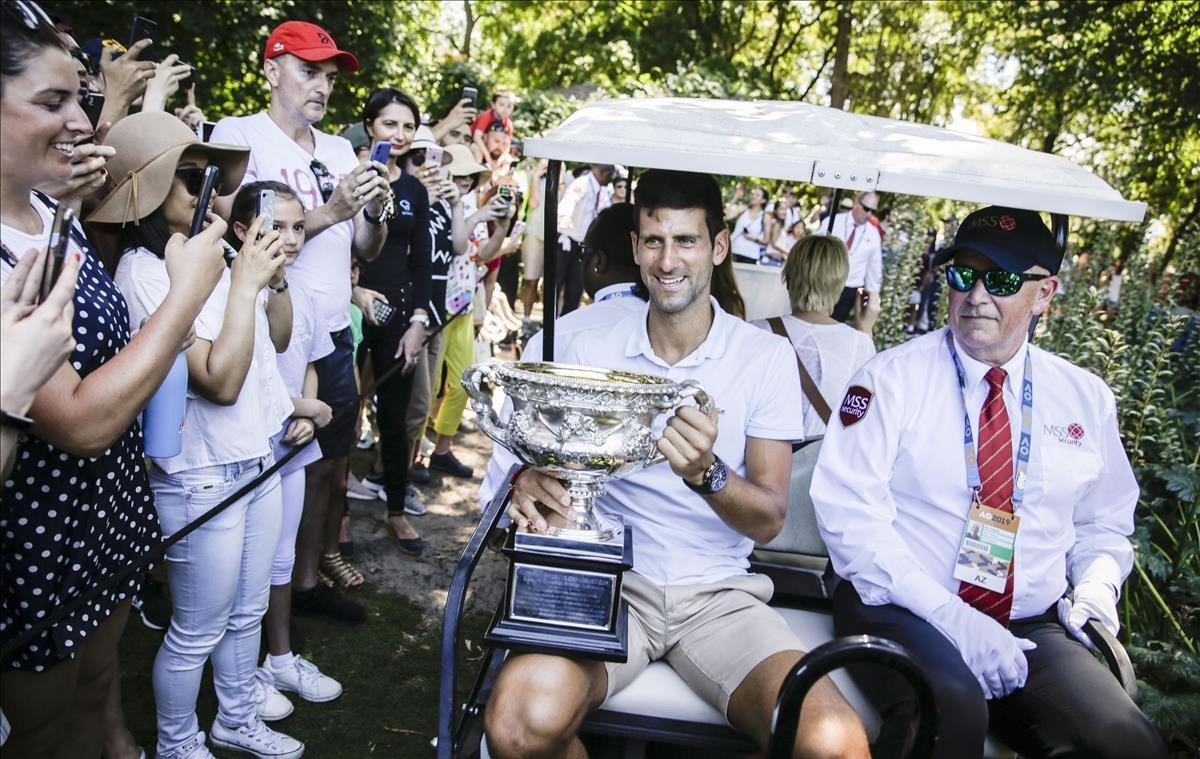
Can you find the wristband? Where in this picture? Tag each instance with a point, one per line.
(422, 319)
(15, 421)
(376, 220)
(281, 289)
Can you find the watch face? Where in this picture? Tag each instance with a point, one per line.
(720, 475)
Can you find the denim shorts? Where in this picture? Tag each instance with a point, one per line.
(338, 387)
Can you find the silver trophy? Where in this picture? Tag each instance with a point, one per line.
(584, 426)
(580, 424)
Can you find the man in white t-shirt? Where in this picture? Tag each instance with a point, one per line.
(695, 520)
(866, 255)
(343, 200)
(585, 197)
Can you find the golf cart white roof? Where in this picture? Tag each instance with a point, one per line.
(828, 148)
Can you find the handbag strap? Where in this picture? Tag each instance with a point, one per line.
(806, 381)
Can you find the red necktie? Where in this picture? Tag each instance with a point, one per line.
(995, 489)
(850, 242)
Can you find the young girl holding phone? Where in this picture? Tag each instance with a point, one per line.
(282, 669)
(220, 573)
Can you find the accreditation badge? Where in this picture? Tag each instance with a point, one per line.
(988, 543)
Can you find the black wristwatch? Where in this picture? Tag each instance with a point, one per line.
(376, 220)
(15, 421)
(714, 480)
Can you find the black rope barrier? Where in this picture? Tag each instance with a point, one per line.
(156, 554)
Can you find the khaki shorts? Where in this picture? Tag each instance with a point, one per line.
(711, 635)
(533, 258)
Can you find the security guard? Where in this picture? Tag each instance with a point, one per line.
(975, 495)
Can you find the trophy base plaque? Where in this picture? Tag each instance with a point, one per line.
(564, 596)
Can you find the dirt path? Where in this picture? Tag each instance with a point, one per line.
(453, 516)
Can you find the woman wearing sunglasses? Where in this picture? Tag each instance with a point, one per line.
(77, 507)
(220, 573)
(400, 277)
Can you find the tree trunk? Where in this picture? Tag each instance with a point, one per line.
(468, 30)
(1180, 228)
(840, 90)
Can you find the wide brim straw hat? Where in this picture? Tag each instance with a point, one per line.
(463, 164)
(149, 146)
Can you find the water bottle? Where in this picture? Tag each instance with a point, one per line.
(162, 419)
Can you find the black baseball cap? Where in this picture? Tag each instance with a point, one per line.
(1013, 238)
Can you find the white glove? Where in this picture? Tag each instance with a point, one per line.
(1090, 600)
(994, 655)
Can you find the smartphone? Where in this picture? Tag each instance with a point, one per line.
(382, 311)
(143, 28)
(470, 93)
(93, 104)
(518, 228)
(433, 157)
(204, 130)
(266, 205)
(505, 193)
(188, 80)
(380, 152)
(56, 251)
(211, 175)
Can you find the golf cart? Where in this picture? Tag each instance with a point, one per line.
(800, 143)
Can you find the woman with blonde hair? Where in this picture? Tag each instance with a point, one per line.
(831, 352)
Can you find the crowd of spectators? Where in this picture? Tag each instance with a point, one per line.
(371, 267)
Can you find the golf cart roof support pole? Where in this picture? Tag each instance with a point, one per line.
(550, 248)
(833, 208)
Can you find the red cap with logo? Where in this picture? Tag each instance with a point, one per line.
(308, 42)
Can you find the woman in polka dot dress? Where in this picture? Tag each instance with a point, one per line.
(77, 506)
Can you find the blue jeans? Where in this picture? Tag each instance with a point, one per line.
(220, 579)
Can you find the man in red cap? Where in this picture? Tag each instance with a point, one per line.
(343, 201)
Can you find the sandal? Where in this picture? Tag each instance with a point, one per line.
(324, 579)
(340, 571)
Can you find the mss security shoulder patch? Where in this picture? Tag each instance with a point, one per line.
(854, 405)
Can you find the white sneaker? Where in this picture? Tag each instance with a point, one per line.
(270, 704)
(193, 749)
(374, 487)
(413, 504)
(258, 740)
(303, 678)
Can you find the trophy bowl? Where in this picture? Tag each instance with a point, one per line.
(580, 424)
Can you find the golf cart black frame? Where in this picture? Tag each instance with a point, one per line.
(460, 724)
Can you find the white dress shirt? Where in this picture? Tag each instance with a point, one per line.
(866, 252)
(751, 376)
(891, 493)
(584, 199)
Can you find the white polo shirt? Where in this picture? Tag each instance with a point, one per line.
(891, 493)
(214, 434)
(866, 253)
(323, 267)
(751, 376)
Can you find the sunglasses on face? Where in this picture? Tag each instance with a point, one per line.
(996, 281)
(324, 179)
(866, 208)
(192, 178)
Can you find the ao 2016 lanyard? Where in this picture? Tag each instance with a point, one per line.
(1023, 449)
